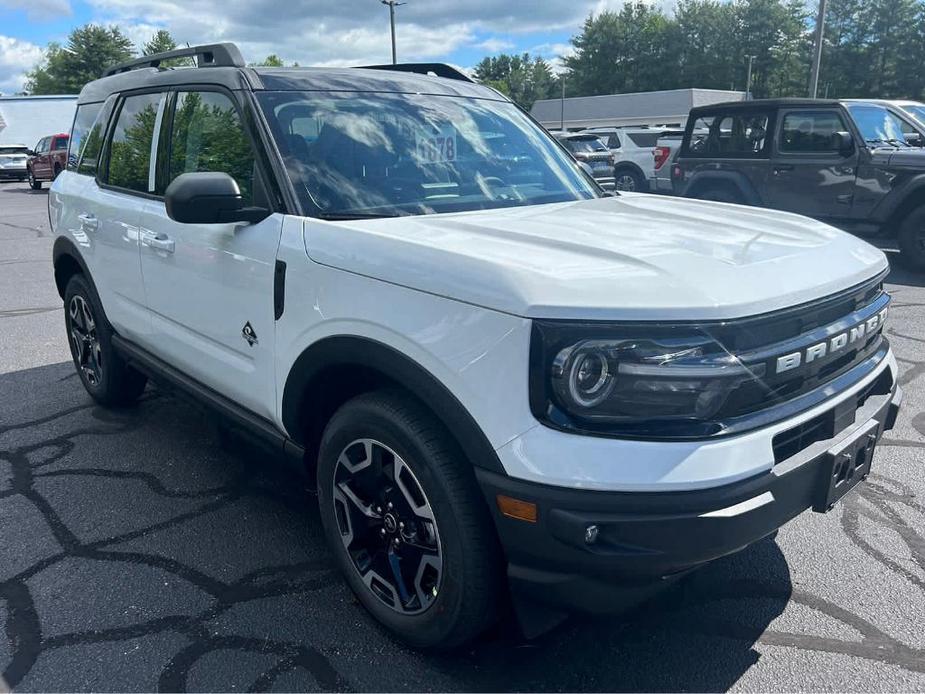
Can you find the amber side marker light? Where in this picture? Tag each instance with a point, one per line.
(515, 508)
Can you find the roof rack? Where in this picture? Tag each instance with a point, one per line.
(213, 54)
(437, 69)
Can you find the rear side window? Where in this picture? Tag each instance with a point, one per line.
(59, 143)
(737, 134)
(88, 152)
(805, 132)
(130, 146)
(83, 121)
(207, 135)
(644, 139)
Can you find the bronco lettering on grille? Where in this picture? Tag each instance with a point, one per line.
(832, 344)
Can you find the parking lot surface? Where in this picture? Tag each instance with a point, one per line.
(145, 549)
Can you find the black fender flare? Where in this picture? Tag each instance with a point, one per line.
(701, 179)
(346, 350)
(64, 251)
(900, 201)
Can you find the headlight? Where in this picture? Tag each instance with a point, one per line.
(626, 379)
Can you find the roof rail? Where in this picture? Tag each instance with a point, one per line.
(438, 69)
(213, 54)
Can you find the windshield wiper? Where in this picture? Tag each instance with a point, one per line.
(891, 141)
(347, 216)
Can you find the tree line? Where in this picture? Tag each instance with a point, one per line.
(872, 48)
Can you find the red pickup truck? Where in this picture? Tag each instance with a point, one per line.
(48, 160)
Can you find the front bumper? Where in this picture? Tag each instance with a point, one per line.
(644, 540)
(13, 173)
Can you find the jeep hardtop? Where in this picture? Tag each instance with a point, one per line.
(503, 383)
(859, 165)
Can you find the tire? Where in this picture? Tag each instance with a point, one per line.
(33, 183)
(629, 180)
(912, 239)
(720, 194)
(389, 430)
(106, 377)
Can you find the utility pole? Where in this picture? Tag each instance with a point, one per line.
(392, 5)
(748, 80)
(817, 51)
(562, 106)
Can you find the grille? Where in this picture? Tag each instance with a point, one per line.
(828, 424)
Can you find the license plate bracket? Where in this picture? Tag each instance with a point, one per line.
(845, 465)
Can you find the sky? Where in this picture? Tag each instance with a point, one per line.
(312, 32)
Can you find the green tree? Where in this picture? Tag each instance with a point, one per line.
(626, 51)
(161, 42)
(89, 50)
(521, 77)
(271, 60)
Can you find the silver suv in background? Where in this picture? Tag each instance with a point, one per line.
(910, 109)
(591, 151)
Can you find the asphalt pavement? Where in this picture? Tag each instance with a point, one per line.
(147, 549)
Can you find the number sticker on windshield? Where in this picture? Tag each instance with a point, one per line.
(438, 149)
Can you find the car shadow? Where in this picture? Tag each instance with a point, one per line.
(160, 493)
(24, 188)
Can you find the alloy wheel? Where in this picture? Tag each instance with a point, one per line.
(625, 182)
(87, 351)
(387, 526)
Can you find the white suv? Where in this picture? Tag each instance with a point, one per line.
(504, 382)
(634, 155)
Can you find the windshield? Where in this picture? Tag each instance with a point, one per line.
(362, 154)
(588, 144)
(917, 111)
(879, 125)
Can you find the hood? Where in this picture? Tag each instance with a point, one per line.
(633, 257)
(907, 158)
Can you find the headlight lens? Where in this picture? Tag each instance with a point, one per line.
(672, 375)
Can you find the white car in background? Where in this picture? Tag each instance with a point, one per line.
(633, 150)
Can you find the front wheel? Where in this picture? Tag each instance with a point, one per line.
(404, 516)
(912, 239)
(33, 183)
(106, 377)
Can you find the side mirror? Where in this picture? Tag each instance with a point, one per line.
(915, 140)
(31, 152)
(844, 143)
(209, 198)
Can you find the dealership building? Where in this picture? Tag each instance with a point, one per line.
(24, 120)
(667, 108)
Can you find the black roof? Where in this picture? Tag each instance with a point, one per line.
(765, 103)
(230, 73)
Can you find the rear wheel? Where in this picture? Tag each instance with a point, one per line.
(406, 520)
(106, 377)
(629, 180)
(912, 239)
(33, 183)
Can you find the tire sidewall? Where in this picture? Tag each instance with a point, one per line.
(911, 233)
(638, 183)
(359, 421)
(78, 286)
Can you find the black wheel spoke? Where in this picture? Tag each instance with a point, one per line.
(387, 526)
(88, 354)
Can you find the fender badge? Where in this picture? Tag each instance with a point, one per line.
(248, 334)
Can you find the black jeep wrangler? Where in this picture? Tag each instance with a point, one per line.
(855, 164)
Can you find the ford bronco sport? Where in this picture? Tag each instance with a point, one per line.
(858, 165)
(505, 383)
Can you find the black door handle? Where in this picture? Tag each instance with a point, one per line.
(780, 168)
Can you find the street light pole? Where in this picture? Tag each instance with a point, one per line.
(392, 5)
(817, 50)
(748, 79)
(562, 106)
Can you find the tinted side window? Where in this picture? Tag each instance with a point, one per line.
(644, 139)
(40, 145)
(810, 131)
(613, 141)
(741, 134)
(89, 154)
(207, 135)
(59, 143)
(83, 121)
(130, 146)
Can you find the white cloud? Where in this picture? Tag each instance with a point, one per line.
(16, 57)
(495, 45)
(40, 10)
